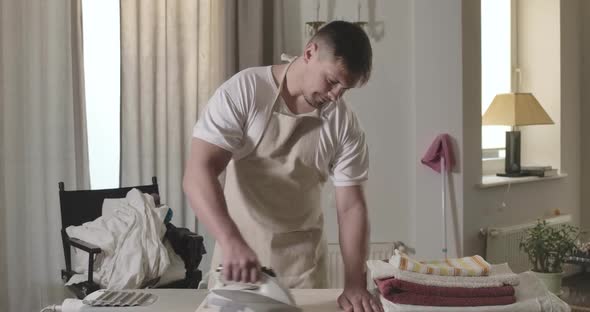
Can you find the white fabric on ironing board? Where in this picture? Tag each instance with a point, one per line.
(500, 275)
(531, 296)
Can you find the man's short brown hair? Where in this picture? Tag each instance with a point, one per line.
(349, 44)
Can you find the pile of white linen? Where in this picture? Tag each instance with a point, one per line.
(130, 237)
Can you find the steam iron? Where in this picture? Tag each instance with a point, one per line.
(268, 295)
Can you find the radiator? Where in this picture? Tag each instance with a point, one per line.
(502, 244)
(377, 251)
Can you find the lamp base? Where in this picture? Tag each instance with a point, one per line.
(512, 161)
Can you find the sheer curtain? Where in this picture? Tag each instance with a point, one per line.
(167, 51)
(42, 142)
(174, 55)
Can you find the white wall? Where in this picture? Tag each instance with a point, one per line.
(571, 105)
(585, 109)
(437, 98)
(471, 145)
(539, 59)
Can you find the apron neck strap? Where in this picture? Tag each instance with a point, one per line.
(282, 82)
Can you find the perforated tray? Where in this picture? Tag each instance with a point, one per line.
(109, 298)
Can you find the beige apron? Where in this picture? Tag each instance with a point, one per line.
(273, 196)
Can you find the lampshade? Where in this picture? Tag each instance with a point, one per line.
(516, 109)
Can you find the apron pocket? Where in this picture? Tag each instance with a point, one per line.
(296, 253)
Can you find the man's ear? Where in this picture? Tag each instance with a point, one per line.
(310, 49)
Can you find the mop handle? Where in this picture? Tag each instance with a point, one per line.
(444, 203)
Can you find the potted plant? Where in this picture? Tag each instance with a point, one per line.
(547, 247)
(581, 255)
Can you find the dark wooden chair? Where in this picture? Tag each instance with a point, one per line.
(80, 206)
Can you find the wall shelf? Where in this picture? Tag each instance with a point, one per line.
(488, 181)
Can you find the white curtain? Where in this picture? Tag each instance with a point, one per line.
(175, 53)
(42, 142)
(166, 51)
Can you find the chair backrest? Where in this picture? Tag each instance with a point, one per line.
(80, 206)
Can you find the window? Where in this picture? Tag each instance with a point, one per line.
(496, 52)
(102, 86)
(521, 52)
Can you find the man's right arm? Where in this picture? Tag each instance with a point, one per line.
(201, 185)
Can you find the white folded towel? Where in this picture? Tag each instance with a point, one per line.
(500, 275)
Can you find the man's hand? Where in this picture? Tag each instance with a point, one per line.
(240, 263)
(352, 216)
(358, 299)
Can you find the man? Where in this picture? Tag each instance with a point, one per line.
(279, 132)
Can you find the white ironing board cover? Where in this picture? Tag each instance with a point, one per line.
(531, 295)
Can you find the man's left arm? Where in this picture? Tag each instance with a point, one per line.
(353, 224)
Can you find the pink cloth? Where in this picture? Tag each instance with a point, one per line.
(394, 285)
(440, 147)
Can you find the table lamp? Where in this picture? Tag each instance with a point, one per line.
(515, 109)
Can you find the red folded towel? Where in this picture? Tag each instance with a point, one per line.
(437, 301)
(394, 285)
(403, 292)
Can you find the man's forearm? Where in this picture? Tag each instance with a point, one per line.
(203, 190)
(353, 225)
(206, 198)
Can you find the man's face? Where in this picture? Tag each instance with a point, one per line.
(326, 78)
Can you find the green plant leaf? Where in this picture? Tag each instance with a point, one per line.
(547, 246)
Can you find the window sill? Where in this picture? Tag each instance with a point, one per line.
(488, 181)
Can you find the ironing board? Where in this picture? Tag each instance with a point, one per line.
(532, 298)
(191, 300)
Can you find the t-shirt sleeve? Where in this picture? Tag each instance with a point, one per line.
(351, 162)
(222, 122)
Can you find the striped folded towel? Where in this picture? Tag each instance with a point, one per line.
(500, 275)
(467, 266)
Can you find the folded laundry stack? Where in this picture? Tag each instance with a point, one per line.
(461, 282)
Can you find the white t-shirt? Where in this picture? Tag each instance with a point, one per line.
(237, 113)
